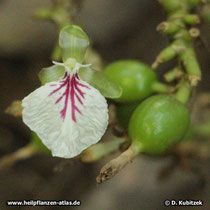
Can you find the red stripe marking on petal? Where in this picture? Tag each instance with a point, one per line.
(72, 93)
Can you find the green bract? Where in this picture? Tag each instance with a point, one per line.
(158, 123)
(100, 81)
(134, 77)
(51, 73)
(73, 42)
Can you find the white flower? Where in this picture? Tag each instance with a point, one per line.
(68, 115)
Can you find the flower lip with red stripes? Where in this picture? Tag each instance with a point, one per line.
(68, 115)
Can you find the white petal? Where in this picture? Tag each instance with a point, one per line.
(66, 129)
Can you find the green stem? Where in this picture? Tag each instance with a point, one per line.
(179, 18)
(117, 164)
(100, 150)
(175, 73)
(191, 65)
(168, 27)
(177, 15)
(160, 87)
(165, 55)
(169, 52)
(184, 92)
(191, 19)
(183, 34)
(172, 5)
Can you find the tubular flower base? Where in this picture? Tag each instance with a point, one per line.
(68, 115)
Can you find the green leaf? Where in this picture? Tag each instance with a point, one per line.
(73, 42)
(51, 73)
(101, 82)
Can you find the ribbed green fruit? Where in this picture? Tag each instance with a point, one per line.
(158, 123)
(134, 77)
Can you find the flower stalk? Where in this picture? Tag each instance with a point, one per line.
(184, 92)
(100, 150)
(160, 87)
(181, 47)
(117, 164)
(177, 26)
(175, 73)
